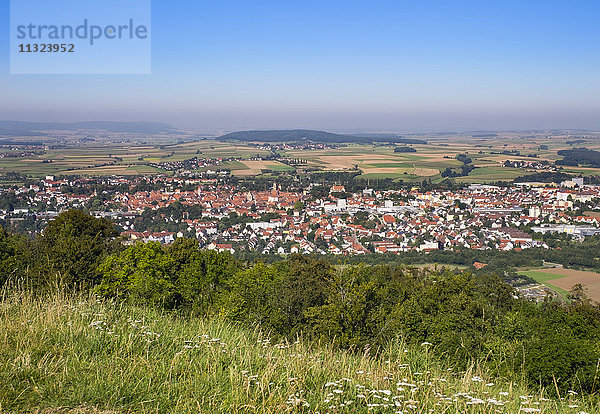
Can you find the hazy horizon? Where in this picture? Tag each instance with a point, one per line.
(382, 66)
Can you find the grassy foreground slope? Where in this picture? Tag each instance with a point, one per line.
(63, 353)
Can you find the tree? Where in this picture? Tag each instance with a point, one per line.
(12, 256)
(202, 276)
(142, 272)
(346, 314)
(253, 296)
(303, 285)
(72, 246)
(178, 276)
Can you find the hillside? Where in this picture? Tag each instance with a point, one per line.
(176, 328)
(78, 354)
(295, 135)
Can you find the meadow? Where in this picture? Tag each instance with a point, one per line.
(77, 353)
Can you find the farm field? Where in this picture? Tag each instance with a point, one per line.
(541, 276)
(252, 168)
(121, 160)
(373, 161)
(563, 280)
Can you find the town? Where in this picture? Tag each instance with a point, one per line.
(315, 219)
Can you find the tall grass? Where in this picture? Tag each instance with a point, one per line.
(78, 354)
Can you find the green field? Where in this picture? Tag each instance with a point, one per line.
(232, 165)
(388, 165)
(381, 176)
(543, 278)
(490, 174)
(280, 167)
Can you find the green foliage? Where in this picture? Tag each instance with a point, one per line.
(180, 276)
(253, 297)
(544, 177)
(466, 316)
(9, 260)
(404, 149)
(346, 314)
(143, 273)
(77, 354)
(303, 285)
(202, 276)
(579, 156)
(72, 246)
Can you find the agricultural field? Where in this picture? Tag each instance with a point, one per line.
(373, 161)
(245, 168)
(563, 280)
(122, 160)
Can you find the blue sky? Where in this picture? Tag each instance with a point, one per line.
(341, 65)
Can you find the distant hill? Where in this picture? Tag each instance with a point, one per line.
(295, 135)
(392, 138)
(20, 128)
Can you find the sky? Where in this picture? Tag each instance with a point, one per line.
(342, 66)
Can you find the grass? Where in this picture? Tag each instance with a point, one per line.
(233, 165)
(487, 174)
(379, 176)
(78, 354)
(280, 167)
(544, 278)
(389, 165)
